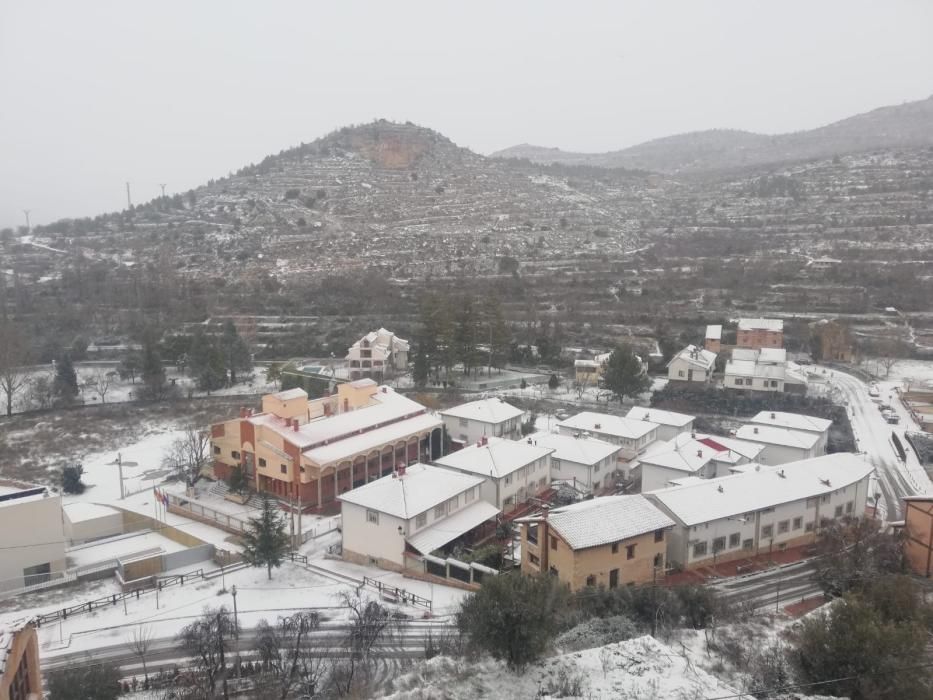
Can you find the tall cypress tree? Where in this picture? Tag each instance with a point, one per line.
(66, 379)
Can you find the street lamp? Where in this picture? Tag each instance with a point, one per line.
(236, 631)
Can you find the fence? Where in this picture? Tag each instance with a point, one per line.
(397, 595)
(197, 511)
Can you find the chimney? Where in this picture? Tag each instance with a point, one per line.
(242, 411)
(773, 416)
(781, 474)
(597, 426)
(384, 390)
(755, 430)
(699, 453)
(544, 510)
(295, 424)
(720, 489)
(326, 408)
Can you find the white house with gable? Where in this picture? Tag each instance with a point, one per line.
(512, 471)
(692, 364)
(761, 510)
(670, 423)
(782, 445)
(583, 462)
(419, 509)
(470, 422)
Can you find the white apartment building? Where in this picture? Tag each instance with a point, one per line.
(583, 462)
(512, 471)
(782, 445)
(799, 422)
(670, 423)
(470, 422)
(763, 510)
(418, 509)
(32, 535)
(703, 456)
(764, 369)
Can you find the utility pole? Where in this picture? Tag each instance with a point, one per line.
(120, 464)
(26, 212)
(162, 185)
(129, 203)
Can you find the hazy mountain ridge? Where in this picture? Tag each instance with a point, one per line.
(899, 126)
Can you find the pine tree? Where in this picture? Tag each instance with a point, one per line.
(152, 370)
(206, 362)
(236, 353)
(499, 335)
(624, 374)
(66, 379)
(265, 540)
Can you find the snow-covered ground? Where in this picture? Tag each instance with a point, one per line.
(916, 373)
(636, 669)
(122, 390)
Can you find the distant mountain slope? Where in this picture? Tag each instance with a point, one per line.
(906, 125)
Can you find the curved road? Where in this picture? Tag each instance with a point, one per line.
(873, 438)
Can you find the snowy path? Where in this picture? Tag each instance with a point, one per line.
(873, 439)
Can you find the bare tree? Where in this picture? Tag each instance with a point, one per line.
(40, 392)
(189, 454)
(14, 377)
(99, 383)
(370, 622)
(140, 642)
(206, 641)
(288, 651)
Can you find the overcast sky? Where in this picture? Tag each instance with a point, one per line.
(93, 94)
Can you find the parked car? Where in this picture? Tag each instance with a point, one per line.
(874, 391)
(892, 418)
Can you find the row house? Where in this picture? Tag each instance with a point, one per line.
(631, 435)
(603, 542)
(799, 422)
(471, 422)
(312, 451)
(781, 445)
(512, 471)
(703, 456)
(762, 509)
(584, 463)
(415, 511)
(670, 423)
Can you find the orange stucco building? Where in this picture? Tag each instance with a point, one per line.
(313, 450)
(918, 527)
(19, 661)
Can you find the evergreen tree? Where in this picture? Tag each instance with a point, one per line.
(236, 353)
(499, 335)
(66, 379)
(624, 375)
(130, 366)
(71, 478)
(89, 681)
(466, 332)
(206, 362)
(153, 372)
(237, 481)
(420, 370)
(265, 540)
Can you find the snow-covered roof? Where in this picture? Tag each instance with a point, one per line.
(387, 406)
(794, 421)
(696, 356)
(495, 457)
(371, 439)
(579, 450)
(608, 519)
(788, 372)
(450, 528)
(714, 332)
(689, 453)
(589, 364)
(18, 492)
(761, 324)
(79, 511)
(421, 488)
(772, 435)
(750, 491)
(761, 355)
(605, 424)
(493, 410)
(289, 394)
(656, 415)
